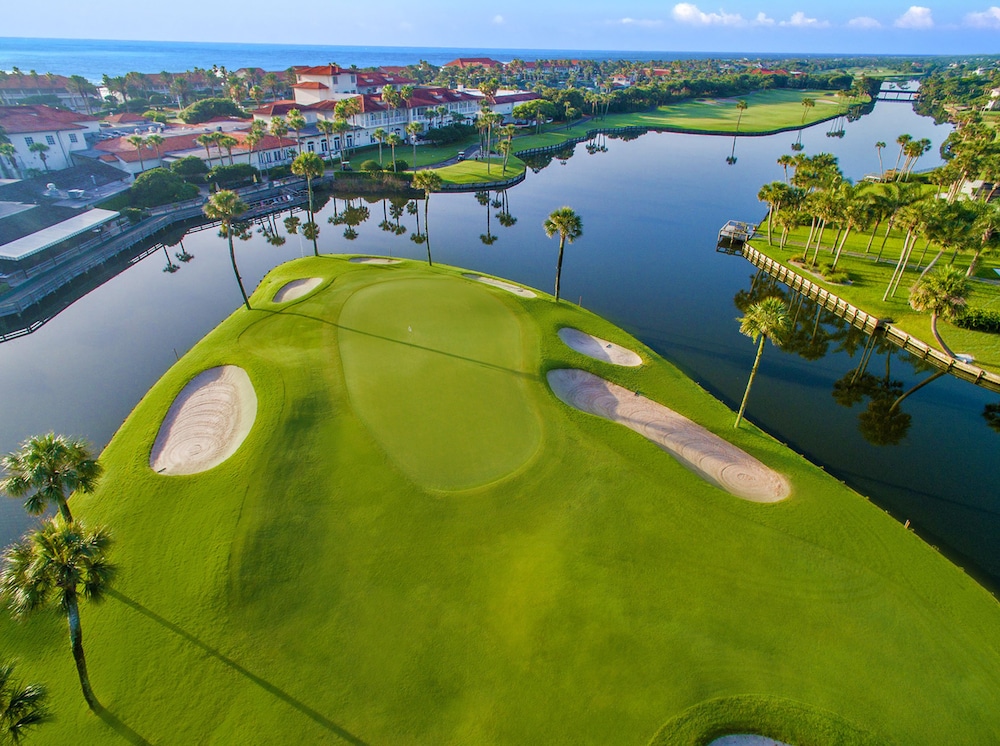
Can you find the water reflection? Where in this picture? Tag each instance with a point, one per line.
(883, 422)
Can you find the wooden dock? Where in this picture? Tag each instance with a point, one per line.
(870, 324)
(733, 235)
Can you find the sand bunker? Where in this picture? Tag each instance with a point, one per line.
(743, 739)
(715, 459)
(207, 422)
(509, 287)
(373, 260)
(296, 289)
(599, 349)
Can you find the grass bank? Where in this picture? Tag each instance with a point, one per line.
(475, 171)
(419, 543)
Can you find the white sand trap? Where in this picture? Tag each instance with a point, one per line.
(509, 287)
(207, 422)
(708, 455)
(599, 349)
(373, 260)
(296, 289)
(745, 739)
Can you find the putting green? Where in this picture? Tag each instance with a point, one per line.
(436, 368)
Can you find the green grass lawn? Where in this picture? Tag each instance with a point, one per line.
(419, 543)
(869, 280)
(475, 171)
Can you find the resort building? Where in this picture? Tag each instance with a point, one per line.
(43, 137)
(18, 87)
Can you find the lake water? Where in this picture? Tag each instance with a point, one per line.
(651, 209)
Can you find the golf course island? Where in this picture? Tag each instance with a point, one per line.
(396, 504)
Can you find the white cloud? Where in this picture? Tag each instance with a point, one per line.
(689, 13)
(917, 17)
(800, 20)
(646, 22)
(989, 18)
(863, 23)
(763, 20)
(498, 20)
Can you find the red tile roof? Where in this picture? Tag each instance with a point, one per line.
(40, 118)
(27, 82)
(312, 85)
(378, 79)
(320, 70)
(473, 62)
(123, 150)
(125, 118)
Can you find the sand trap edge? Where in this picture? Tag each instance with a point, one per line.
(599, 349)
(373, 260)
(714, 459)
(508, 286)
(296, 289)
(206, 423)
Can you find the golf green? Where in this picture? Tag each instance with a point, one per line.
(418, 542)
(437, 369)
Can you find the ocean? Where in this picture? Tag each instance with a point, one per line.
(93, 58)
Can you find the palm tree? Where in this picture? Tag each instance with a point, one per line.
(567, 224)
(429, 181)
(206, 142)
(379, 134)
(773, 194)
(139, 142)
(296, 122)
(227, 142)
(902, 140)
(22, 707)
(785, 161)
(225, 205)
(310, 166)
(326, 127)
(58, 563)
(878, 149)
(8, 151)
(943, 293)
(47, 469)
(40, 148)
(741, 106)
(253, 138)
(766, 319)
(807, 104)
(154, 141)
(413, 129)
(393, 139)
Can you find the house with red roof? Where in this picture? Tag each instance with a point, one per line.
(61, 132)
(468, 62)
(17, 87)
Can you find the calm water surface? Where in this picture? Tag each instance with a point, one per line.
(651, 210)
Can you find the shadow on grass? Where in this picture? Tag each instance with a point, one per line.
(262, 683)
(121, 728)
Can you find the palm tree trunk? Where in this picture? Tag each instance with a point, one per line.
(888, 227)
(76, 641)
(753, 373)
(840, 248)
(232, 256)
(871, 238)
(915, 389)
(937, 336)
(562, 241)
(64, 511)
(427, 230)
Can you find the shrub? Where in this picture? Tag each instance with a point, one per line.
(209, 108)
(372, 167)
(980, 320)
(134, 214)
(158, 186)
(155, 116)
(398, 165)
(235, 175)
(190, 166)
(449, 133)
(797, 258)
(279, 172)
(839, 277)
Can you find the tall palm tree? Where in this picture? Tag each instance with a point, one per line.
(741, 106)
(228, 142)
(41, 149)
(785, 161)
(47, 469)
(139, 142)
(943, 293)
(901, 141)
(879, 146)
(154, 141)
(225, 205)
(296, 122)
(56, 564)
(22, 706)
(310, 166)
(807, 104)
(567, 224)
(393, 140)
(429, 181)
(379, 134)
(413, 129)
(773, 194)
(206, 142)
(253, 138)
(766, 319)
(279, 128)
(326, 127)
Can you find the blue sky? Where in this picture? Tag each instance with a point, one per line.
(796, 26)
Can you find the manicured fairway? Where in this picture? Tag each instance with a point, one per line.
(355, 574)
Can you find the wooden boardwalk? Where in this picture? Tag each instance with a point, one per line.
(871, 324)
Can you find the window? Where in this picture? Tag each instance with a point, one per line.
(29, 141)
(50, 139)
(72, 137)
(310, 147)
(322, 146)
